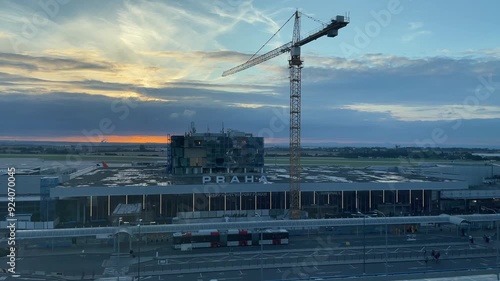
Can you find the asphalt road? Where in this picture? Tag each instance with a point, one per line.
(286, 257)
(332, 271)
(306, 253)
(331, 240)
(67, 264)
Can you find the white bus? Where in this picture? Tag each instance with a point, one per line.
(274, 237)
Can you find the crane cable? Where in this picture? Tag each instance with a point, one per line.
(316, 20)
(271, 37)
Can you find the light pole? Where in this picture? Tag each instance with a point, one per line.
(386, 240)
(394, 191)
(261, 250)
(364, 242)
(317, 205)
(139, 252)
(118, 238)
(118, 235)
(261, 256)
(497, 234)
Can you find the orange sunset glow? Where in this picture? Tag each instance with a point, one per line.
(83, 139)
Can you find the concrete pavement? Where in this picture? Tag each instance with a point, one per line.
(87, 250)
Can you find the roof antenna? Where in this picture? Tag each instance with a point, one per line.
(193, 129)
(222, 127)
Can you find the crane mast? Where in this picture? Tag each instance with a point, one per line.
(295, 67)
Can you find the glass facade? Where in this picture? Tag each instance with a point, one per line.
(318, 204)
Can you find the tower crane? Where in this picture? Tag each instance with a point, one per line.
(295, 66)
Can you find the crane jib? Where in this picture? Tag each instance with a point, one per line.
(331, 31)
(260, 59)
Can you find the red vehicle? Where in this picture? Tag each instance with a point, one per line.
(237, 237)
(201, 239)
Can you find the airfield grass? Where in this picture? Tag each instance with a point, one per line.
(279, 160)
(75, 158)
(356, 162)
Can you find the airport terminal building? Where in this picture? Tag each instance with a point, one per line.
(161, 199)
(238, 184)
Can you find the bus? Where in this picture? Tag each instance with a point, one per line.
(274, 237)
(213, 238)
(202, 239)
(237, 237)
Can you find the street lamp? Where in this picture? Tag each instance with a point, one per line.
(497, 234)
(395, 197)
(120, 220)
(364, 242)
(386, 244)
(139, 253)
(261, 255)
(316, 194)
(261, 250)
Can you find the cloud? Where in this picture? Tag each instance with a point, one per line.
(188, 113)
(429, 112)
(416, 31)
(168, 59)
(415, 25)
(473, 53)
(356, 85)
(382, 79)
(69, 114)
(244, 11)
(128, 36)
(80, 115)
(25, 62)
(412, 36)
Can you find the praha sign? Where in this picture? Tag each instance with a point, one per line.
(234, 179)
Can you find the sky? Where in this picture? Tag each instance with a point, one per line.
(411, 73)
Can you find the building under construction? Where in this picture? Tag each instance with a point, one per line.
(227, 152)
